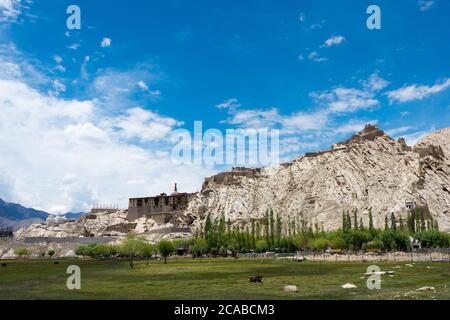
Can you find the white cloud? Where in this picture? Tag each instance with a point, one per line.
(413, 138)
(333, 41)
(353, 126)
(314, 56)
(84, 74)
(344, 100)
(7, 185)
(395, 132)
(145, 88)
(313, 127)
(60, 68)
(405, 113)
(302, 121)
(13, 65)
(425, 5)
(229, 104)
(347, 100)
(66, 155)
(141, 84)
(271, 118)
(147, 126)
(106, 42)
(417, 92)
(302, 17)
(315, 26)
(155, 93)
(58, 87)
(375, 83)
(116, 89)
(58, 60)
(74, 46)
(9, 10)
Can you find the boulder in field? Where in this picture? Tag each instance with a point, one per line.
(349, 286)
(425, 289)
(290, 289)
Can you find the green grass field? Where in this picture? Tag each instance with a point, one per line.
(218, 279)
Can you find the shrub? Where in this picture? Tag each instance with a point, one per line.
(395, 240)
(433, 239)
(199, 248)
(320, 244)
(355, 239)
(338, 243)
(261, 246)
(22, 252)
(373, 246)
(147, 251)
(83, 251)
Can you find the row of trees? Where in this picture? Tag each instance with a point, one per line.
(270, 233)
(415, 222)
(132, 247)
(23, 252)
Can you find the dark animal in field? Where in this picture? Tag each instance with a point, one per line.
(3, 265)
(256, 279)
(56, 262)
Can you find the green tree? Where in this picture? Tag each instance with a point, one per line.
(393, 222)
(22, 252)
(253, 234)
(131, 247)
(355, 220)
(411, 223)
(279, 230)
(338, 243)
(272, 229)
(51, 253)
(261, 246)
(349, 221)
(320, 244)
(423, 226)
(208, 230)
(402, 224)
(166, 248)
(433, 239)
(147, 250)
(200, 247)
(370, 220)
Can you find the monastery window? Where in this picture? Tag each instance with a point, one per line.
(411, 205)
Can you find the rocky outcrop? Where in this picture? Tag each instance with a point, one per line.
(370, 171)
(94, 225)
(98, 225)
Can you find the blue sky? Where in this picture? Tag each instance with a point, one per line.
(135, 73)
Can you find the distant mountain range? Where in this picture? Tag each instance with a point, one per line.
(17, 216)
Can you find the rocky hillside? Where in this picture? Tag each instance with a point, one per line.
(102, 224)
(369, 171)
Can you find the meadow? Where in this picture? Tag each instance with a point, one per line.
(218, 279)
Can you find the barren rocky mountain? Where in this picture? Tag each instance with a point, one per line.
(101, 224)
(369, 171)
